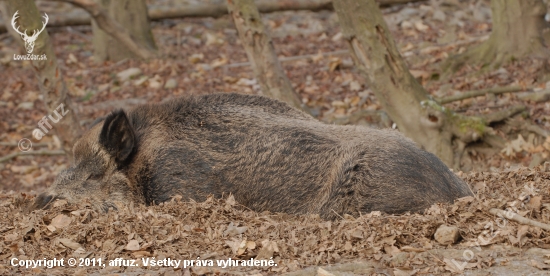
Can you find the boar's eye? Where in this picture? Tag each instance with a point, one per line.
(95, 176)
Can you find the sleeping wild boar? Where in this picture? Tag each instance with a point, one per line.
(269, 155)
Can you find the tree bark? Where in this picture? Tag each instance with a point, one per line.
(432, 126)
(261, 53)
(517, 33)
(50, 79)
(132, 16)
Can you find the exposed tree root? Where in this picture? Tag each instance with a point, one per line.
(462, 130)
(503, 114)
(494, 141)
(528, 126)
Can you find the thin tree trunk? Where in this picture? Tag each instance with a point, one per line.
(50, 79)
(517, 33)
(130, 14)
(407, 103)
(261, 53)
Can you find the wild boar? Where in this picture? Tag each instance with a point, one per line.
(269, 155)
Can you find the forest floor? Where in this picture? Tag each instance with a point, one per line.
(205, 56)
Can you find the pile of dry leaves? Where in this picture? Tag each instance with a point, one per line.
(219, 230)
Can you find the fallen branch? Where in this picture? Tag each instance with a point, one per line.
(482, 92)
(503, 114)
(293, 58)
(517, 218)
(111, 27)
(16, 144)
(209, 10)
(30, 153)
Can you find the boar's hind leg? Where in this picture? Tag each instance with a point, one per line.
(343, 196)
(398, 181)
(362, 190)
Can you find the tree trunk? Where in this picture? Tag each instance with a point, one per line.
(261, 53)
(50, 80)
(132, 15)
(517, 33)
(430, 125)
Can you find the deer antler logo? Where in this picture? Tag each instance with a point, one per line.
(29, 40)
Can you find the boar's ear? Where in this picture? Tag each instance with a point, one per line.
(117, 135)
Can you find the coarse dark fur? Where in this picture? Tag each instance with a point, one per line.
(268, 155)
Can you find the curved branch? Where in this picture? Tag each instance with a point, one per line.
(113, 28)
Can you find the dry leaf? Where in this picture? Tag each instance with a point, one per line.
(233, 230)
(454, 265)
(132, 245)
(61, 221)
(535, 203)
(69, 243)
(322, 272)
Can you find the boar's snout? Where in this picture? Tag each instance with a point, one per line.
(97, 176)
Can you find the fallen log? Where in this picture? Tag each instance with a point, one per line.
(80, 17)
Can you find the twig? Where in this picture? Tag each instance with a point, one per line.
(517, 218)
(110, 67)
(111, 27)
(81, 35)
(28, 153)
(503, 114)
(482, 92)
(286, 59)
(15, 144)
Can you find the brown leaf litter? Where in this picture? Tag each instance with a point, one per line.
(201, 234)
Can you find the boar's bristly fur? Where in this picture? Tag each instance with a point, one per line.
(269, 155)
